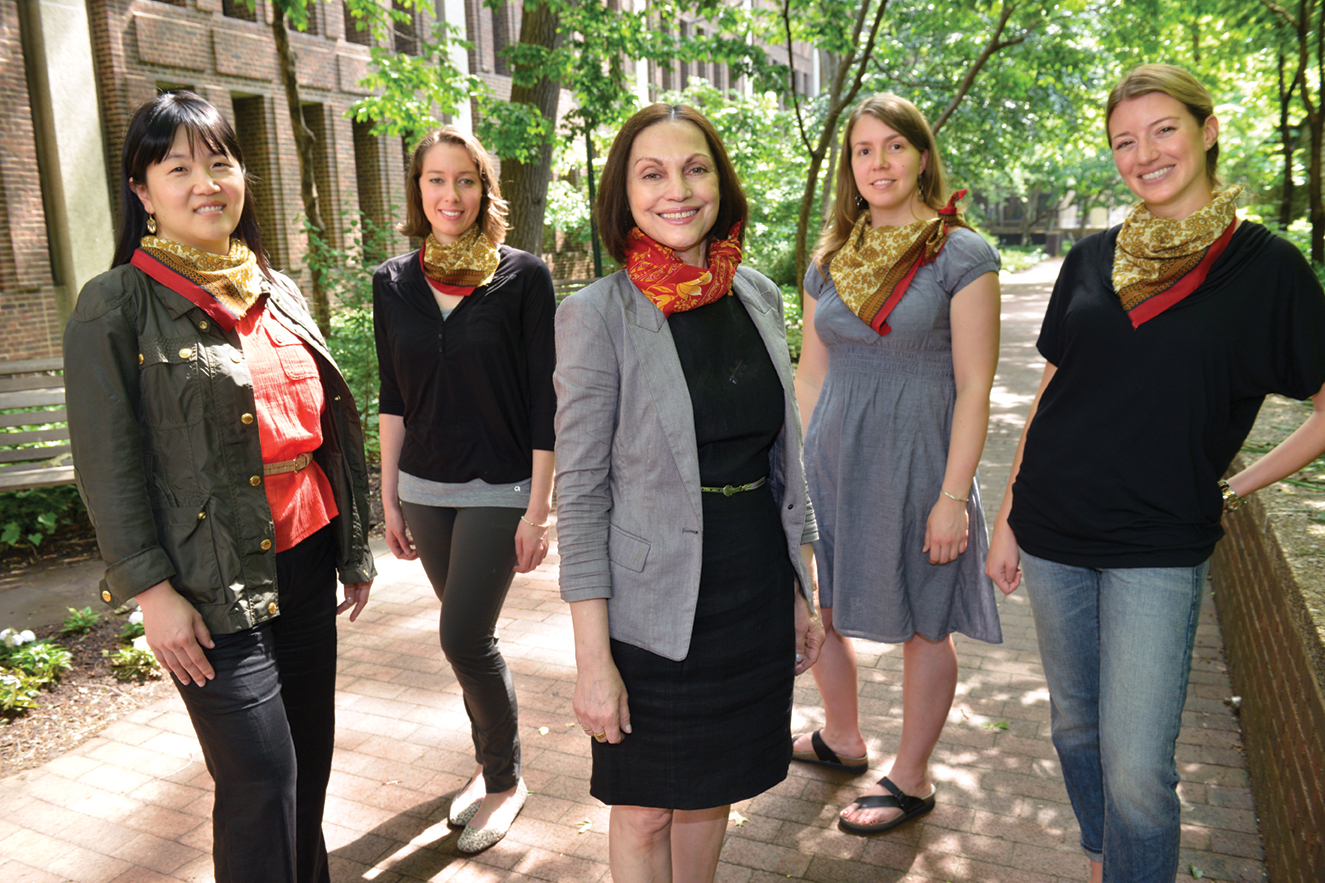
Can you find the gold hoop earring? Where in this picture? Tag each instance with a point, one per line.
(151, 224)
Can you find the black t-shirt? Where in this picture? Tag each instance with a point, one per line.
(1123, 458)
(475, 390)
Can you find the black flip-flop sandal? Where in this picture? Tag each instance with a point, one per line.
(825, 756)
(911, 807)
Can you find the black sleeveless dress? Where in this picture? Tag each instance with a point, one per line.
(715, 727)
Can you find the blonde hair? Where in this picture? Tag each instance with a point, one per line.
(492, 208)
(904, 118)
(1179, 85)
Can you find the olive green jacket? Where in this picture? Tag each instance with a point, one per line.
(167, 455)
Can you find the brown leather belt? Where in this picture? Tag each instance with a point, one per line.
(300, 462)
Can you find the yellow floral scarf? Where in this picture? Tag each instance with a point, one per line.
(875, 266)
(233, 279)
(1159, 261)
(461, 266)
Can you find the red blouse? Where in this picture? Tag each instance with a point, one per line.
(290, 402)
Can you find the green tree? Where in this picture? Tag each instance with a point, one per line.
(1307, 25)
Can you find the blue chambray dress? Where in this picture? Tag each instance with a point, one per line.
(875, 453)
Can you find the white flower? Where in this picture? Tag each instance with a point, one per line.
(136, 618)
(10, 638)
(9, 680)
(140, 643)
(26, 637)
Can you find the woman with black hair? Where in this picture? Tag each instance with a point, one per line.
(220, 455)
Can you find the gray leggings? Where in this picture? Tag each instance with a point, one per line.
(468, 555)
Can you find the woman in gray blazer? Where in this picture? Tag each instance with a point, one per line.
(684, 521)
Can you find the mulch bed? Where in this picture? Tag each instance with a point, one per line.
(80, 704)
(87, 698)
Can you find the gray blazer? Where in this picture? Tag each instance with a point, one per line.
(629, 520)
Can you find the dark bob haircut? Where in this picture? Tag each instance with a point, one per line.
(151, 133)
(614, 218)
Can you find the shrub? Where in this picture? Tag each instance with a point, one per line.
(133, 664)
(17, 692)
(27, 517)
(43, 661)
(133, 628)
(347, 274)
(792, 316)
(80, 622)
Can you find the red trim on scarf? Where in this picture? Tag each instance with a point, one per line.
(457, 290)
(1153, 306)
(184, 287)
(880, 321)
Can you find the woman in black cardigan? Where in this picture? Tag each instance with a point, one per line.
(465, 348)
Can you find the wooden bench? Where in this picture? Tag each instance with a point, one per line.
(564, 288)
(34, 444)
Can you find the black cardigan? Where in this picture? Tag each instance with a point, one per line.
(475, 391)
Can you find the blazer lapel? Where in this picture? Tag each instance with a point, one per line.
(769, 323)
(662, 369)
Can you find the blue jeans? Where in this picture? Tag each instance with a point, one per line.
(1117, 651)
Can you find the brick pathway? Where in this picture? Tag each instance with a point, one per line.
(132, 804)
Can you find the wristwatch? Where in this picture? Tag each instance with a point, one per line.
(1231, 499)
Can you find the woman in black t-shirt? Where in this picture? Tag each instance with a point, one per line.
(465, 347)
(1162, 338)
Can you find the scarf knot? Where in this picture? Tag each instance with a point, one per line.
(1159, 261)
(233, 281)
(460, 267)
(674, 286)
(875, 267)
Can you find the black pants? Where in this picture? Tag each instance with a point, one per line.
(468, 555)
(266, 724)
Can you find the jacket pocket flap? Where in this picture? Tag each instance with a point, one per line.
(626, 549)
(166, 351)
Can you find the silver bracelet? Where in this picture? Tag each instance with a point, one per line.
(542, 526)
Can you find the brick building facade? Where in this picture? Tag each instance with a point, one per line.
(225, 52)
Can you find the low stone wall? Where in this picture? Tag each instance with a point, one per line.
(1272, 615)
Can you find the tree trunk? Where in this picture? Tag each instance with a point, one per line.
(1316, 118)
(303, 139)
(803, 220)
(524, 185)
(1286, 137)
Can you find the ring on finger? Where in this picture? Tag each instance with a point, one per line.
(600, 737)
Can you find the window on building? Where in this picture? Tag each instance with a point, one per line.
(368, 176)
(237, 9)
(328, 203)
(406, 28)
(254, 134)
(356, 29)
(662, 75)
(683, 69)
(504, 33)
